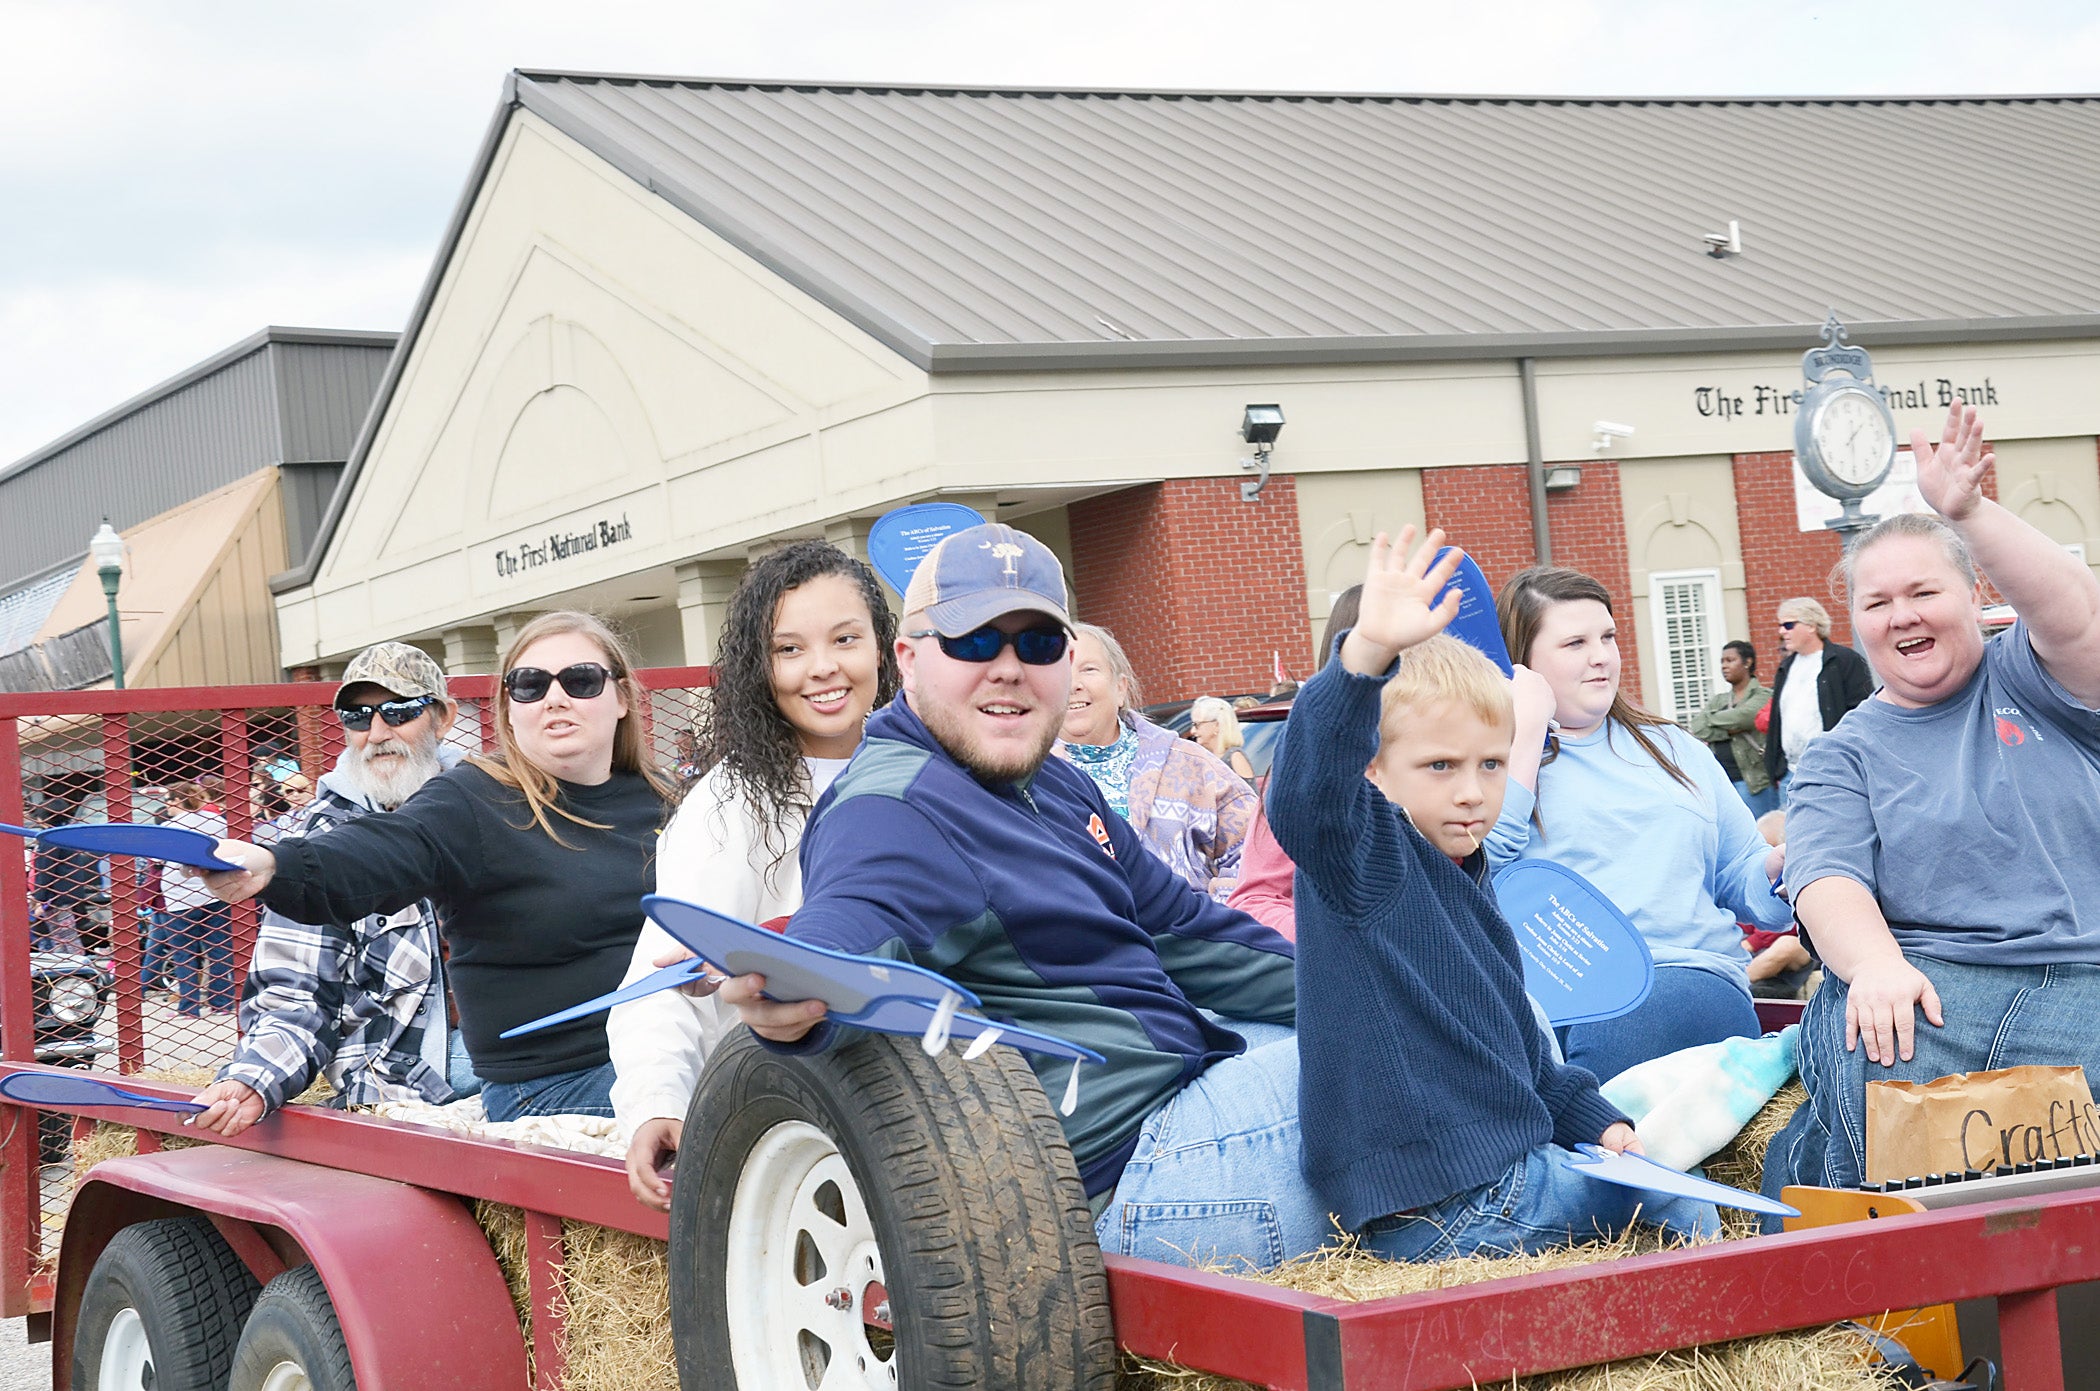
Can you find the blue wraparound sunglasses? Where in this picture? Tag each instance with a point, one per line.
(1037, 647)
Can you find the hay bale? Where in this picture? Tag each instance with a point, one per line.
(1823, 1359)
(615, 1301)
(1741, 1162)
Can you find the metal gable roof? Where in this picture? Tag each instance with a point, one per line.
(986, 228)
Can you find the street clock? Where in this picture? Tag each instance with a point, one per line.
(1844, 435)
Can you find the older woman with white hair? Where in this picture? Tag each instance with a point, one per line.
(1817, 683)
(1940, 842)
(1189, 807)
(1216, 726)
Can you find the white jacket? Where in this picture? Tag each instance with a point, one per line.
(711, 854)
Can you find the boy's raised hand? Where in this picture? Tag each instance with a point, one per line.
(1396, 611)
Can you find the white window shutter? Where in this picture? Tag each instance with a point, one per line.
(1684, 608)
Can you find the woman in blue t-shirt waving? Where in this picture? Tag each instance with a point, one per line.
(1941, 836)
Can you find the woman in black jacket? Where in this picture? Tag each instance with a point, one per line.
(1842, 679)
(537, 856)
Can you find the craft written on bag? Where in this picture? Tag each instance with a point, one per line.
(1979, 1120)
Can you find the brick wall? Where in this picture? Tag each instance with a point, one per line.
(1780, 561)
(1487, 509)
(1198, 586)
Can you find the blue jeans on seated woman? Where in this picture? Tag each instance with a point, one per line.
(1215, 1178)
(584, 1093)
(1687, 1007)
(1538, 1204)
(1997, 1016)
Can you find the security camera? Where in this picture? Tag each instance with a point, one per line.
(1613, 428)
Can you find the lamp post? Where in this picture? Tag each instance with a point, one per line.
(108, 549)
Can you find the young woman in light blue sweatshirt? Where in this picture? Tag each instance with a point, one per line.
(1638, 807)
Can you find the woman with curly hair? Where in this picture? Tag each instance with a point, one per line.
(807, 650)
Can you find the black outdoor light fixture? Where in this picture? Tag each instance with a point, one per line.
(1259, 426)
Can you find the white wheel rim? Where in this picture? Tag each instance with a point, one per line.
(287, 1376)
(127, 1358)
(797, 1209)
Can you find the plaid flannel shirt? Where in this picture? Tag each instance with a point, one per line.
(341, 999)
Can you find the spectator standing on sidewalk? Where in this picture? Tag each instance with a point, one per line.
(1728, 726)
(1818, 681)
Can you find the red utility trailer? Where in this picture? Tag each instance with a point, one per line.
(359, 1224)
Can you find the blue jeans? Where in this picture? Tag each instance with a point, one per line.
(1215, 1174)
(1759, 802)
(155, 959)
(459, 1068)
(1997, 1016)
(1539, 1203)
(200, 940)
(1688, 1007)
(584, 1093)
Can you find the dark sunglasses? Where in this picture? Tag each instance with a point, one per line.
(395, 712)
(530, 684)
(1037, 647)
(1789, 625)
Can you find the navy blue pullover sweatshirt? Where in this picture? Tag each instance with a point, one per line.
(1422, 1071)
(1046, 904)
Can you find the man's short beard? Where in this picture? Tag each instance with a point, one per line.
(390, 787)
(951, 736)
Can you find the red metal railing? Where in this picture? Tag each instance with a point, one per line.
(132, 755)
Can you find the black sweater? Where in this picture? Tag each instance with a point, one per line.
(532, 926)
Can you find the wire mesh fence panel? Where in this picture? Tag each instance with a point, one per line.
(131, 965)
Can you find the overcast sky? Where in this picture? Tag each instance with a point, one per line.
(174, 176)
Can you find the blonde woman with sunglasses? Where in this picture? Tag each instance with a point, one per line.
(536, 856)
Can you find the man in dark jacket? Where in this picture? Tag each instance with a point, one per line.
(953, 840)
(1840, 680)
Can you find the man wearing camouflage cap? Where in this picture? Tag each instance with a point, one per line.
(361, 1003)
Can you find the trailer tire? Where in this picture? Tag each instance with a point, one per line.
(293, 1341)
(163, 1307)
(813, 1190)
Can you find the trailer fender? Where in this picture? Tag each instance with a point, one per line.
(422, 1301)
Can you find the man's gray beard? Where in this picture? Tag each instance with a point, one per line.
(951, 737)
(390, 787)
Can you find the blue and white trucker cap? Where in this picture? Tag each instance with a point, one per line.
(982, 573)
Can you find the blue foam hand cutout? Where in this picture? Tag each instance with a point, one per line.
(1584, 960)
(1477, 625)
(900, 539)
(51, 1089)
(1639, 1171)
(668, 978)
(175, 844)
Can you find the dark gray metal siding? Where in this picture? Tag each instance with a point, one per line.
(276, 397)
(324, 391)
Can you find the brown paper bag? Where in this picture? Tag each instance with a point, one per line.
(1978, 1120)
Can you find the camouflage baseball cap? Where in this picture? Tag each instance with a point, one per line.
(397, 667)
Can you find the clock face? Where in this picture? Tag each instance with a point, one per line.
(1853, 437)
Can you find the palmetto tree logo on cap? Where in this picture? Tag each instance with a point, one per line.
(1003, 550)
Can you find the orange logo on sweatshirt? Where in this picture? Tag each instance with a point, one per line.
(1095, 824)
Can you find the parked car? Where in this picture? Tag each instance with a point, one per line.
(1174, 714)
(71, 994)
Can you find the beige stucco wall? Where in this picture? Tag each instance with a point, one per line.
(593, 355)
(1338, 514)
(2055, 485)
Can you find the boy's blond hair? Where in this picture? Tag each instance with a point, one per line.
(1444, 669)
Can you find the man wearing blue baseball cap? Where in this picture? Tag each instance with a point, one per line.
(955, 841)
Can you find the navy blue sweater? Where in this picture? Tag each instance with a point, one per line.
(1046, 904)
(1422, 1071)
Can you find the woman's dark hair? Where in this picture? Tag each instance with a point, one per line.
(1522, 607)
(1341, 617)
(1745, 651)
(742, 727)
